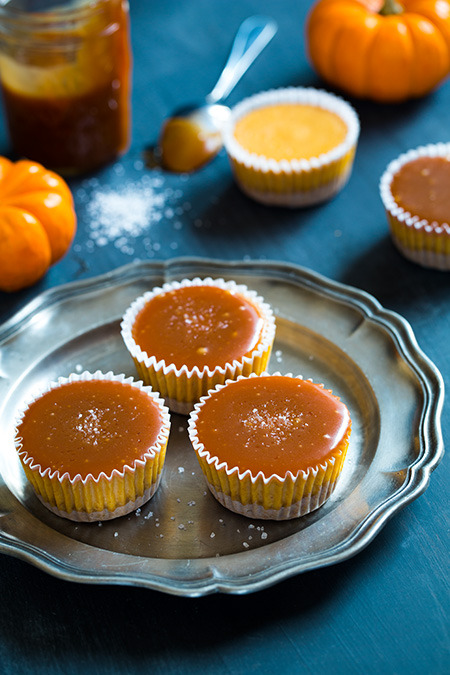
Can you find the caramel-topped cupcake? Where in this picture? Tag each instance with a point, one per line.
(271, 446)
(292, 147)
(290, 130)
(93, 445)
(416, 195)
(188, 336)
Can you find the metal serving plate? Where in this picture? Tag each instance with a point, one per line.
(184, 542)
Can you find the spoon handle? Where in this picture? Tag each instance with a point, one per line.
(253, 35)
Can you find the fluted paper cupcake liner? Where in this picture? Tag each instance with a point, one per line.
(105, 496)
(425, 243)
(271, 497)
(296, 182)
(182, 387)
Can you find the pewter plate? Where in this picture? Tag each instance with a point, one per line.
(183, 542)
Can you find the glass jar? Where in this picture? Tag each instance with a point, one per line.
(65, 77)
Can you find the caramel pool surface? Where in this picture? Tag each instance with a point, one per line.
(197, 326)
(90, 427)
(290, 131)
(272, 424)
(422, 187)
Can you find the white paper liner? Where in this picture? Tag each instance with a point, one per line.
(196, 379)
(438, 261)
(311, 501)
(262, 164)
(295, 510)
(152, 452)
(411, 222)
(93, 516)
(304, 198)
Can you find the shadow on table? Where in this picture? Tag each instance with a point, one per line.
(396, 282)
(122, 622)
(234, 221)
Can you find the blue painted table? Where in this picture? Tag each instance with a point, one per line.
(385, 610)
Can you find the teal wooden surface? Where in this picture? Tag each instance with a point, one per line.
(385, 610)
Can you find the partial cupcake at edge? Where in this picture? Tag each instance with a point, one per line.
(271, 446)
(415, 190)
(93, 445)
(188, 336)
(292, 147)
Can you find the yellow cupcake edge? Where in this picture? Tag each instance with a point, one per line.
(418, 240)
(105, 496)
(181, 387)
(269, 497)
(301, 182)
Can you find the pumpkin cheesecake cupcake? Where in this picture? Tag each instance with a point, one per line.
(188, 336)
(270, 446)
(415, 190)
(93, 445)
(292, 147)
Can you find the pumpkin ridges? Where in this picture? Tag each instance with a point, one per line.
(24, 250)
(28, 176)
(5, 168)
(356, 58)
(332, 57)
(321, 35)
(432, 60)
(51, 210)
(13, 178)
(37, 222)
(323, 32)
(387, 63)
(437, 12)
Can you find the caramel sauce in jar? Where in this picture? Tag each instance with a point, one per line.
(65, 77)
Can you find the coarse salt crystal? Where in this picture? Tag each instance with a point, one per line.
(118, 215)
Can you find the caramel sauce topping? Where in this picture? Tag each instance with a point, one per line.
(290, 131)
(197, 326)
(422, 188)
(90, 427)
(272, 424)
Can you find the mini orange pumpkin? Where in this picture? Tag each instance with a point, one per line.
(387, 51)
(37, 222)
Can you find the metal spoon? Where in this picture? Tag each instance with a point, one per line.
(192, 135)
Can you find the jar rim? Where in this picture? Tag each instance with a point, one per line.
(60, 17)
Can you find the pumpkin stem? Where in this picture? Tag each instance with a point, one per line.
(391, 7)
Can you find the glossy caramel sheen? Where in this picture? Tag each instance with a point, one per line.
(197, 326)
(290, 131)
(422, 187)
(90, 427)
(272, 424)
(185, 146)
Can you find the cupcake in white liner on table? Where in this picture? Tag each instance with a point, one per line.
(188, 336)
(415, 190)
(270, 446)
(292, 147)
(93, 445)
